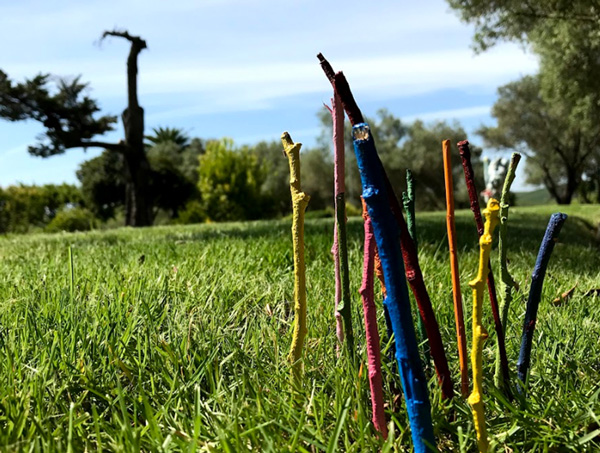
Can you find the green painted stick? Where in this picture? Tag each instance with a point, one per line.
(344, 307)
(408, 200)
(508, 282)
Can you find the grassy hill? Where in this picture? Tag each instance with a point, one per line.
(176, 338)
(533, 198)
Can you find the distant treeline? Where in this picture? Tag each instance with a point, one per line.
(196, 180)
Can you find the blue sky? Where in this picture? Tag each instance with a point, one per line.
(248, 70)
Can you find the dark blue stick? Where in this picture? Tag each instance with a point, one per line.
(535, 294)
(387, 232)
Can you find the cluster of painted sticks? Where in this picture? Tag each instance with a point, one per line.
(395, 262)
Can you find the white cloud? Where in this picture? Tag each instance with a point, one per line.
(237, 56)
(222, 57)
(468, 112)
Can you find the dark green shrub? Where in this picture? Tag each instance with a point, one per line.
(192, 213)
(75, 219)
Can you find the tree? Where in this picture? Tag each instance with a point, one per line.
(420, 152)
(388, 132)
(416, 146)
(519, 19)
(230, 181)
(174, 175)
(103, 184)
(274, 190)
(566, 37)
(68, 116)
(317, 177)
(558, 148)
(24, 207)
(168, 134)
(172, 180)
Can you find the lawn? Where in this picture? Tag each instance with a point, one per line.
(175, 339)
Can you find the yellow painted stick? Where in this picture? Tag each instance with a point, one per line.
(479, 332)
(299, 203)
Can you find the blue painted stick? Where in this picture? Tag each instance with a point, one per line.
(535, 293)
(386, 232)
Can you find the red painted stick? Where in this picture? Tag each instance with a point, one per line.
(465, 155)
(372, 333)
(409, 252)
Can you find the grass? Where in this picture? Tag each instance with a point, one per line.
(175, 339)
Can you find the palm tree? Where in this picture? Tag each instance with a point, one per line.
(166, 135)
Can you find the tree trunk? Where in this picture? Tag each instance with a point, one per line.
(570, 188)
(138, 205)
(138, 208)
(597, 186)
(564, 195)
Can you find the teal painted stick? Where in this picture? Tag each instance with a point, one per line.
(508, 282)
(408, 200)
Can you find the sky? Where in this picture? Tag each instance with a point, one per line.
(248, 70)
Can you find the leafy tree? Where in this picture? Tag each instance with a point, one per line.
(230, 181)
(388, 132)
(557, 148)
(68, 116)
(103, 184)
(421, 152)
(274, 190)
(74, 219)
(168, 134)
(317, 177)
(566, 37)
(172, 180)
(523, 20)
(170, 186)
(416, 146)
(25, 207)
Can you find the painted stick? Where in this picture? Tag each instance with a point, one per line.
(456, 293)
(409, 253)
(507, 281)
(372, 333)
(465, 155)
(388, 322)
(339, 326)
(385, 229)
(479, 332)
(299, 202)
(535, 294)
(344, 306)
(379, 273)
(337, 114)
(408, 200)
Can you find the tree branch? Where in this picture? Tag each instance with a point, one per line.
(119, 147)
(535, 13)
(134, 40)
(137, 45)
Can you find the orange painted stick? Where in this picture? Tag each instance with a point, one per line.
(456, 294)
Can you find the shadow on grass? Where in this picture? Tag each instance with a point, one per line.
(524, 231)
